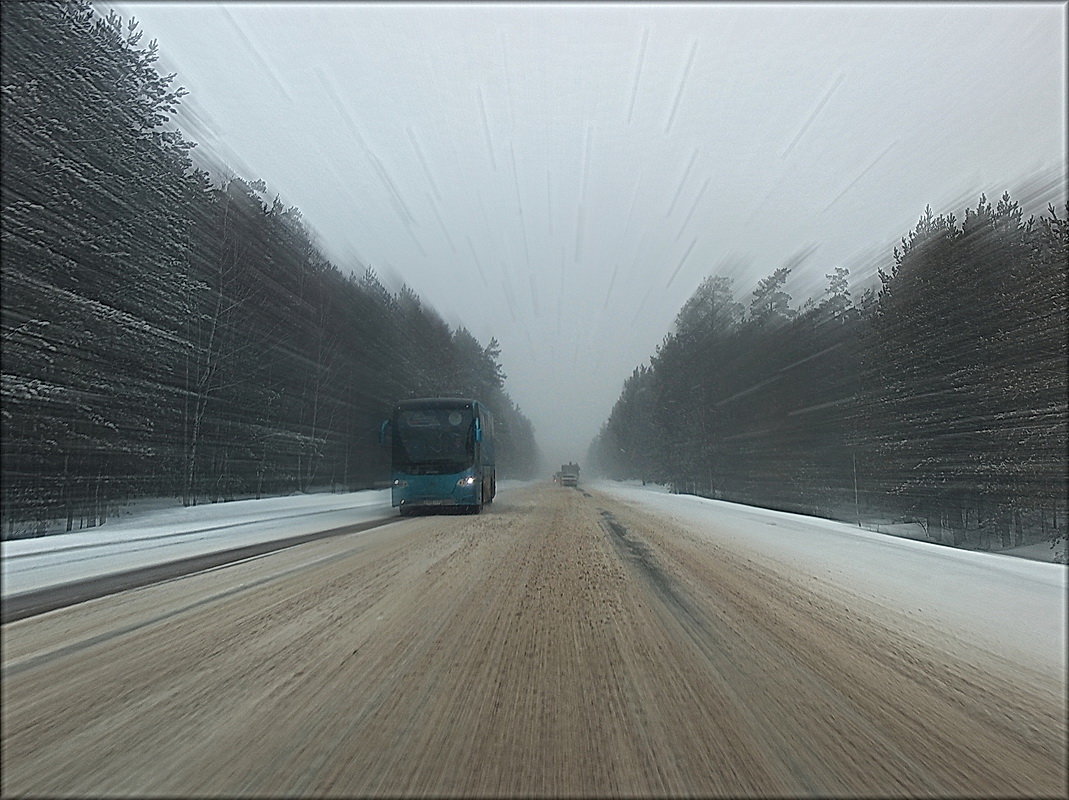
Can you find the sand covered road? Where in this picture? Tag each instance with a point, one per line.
(562, 643)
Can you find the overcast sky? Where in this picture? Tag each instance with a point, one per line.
(562, 176)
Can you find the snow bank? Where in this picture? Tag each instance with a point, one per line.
(169, 534)
(1011, 606)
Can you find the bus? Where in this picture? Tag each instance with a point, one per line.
(442, 454)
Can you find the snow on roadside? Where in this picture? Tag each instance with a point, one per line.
(150, 536)
(1012, 606)
(157, 536)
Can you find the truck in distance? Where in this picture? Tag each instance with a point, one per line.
(569, 474)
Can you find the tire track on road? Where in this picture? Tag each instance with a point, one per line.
(895, 710)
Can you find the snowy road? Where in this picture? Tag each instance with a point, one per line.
(604, 641)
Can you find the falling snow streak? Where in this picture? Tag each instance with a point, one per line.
(749, 390)
(578, 234)
(406, 215)
(508, 80)
(682, 261)
(618, 261)
(526, 246)
(799, 258)
(534, 293)
(515, 180)
(682, 182)
(412, 234)
(519, 207)
(634, 263)
(814, 114)
(693, 208)
(560, 294)
(486, 219)
(580, 214)
(486, 129)
(585, 165)
(638, 73)
(642, 305)
(864, 172)
(811, 357)
(262, 63)
(478, 264)
(506, 287)
(631, 207)
(438, 216)
(606, 340)
(682, 86)
(616, 271)
(612, 283)
(423, 162)
(549, 201)
(623, 243)
(339, 106)
(582, 339)
(759, 208)
(399, 203)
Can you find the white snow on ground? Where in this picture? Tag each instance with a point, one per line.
(155, 537)
(148, 537)
(1011, 606)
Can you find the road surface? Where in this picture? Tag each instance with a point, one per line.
(561, 643)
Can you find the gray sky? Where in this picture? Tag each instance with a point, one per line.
(563, 176)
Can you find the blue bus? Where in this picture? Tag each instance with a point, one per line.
(442, 454)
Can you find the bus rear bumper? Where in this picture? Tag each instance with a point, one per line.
(447, 494)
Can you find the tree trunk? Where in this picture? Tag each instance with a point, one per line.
(69, 499)
(96, 500)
